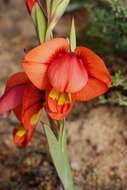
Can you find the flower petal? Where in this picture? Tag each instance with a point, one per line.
(93, 89)
(36, 61)
(22, 136)
(17, 78)
(28, 113)
(13, 93)
(67, 73)
(55, 109)
(12, 98)
(18, 112)
(32, 103)
(94, 65)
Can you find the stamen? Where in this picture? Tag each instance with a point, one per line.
(62, 98)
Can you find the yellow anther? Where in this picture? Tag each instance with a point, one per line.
(62, 98)
(54, 94)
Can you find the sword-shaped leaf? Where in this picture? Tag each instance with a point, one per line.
(42, 4)
(59, 155)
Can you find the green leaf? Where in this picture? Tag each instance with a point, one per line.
(39, 22)
(73, 36)
(58, 12)
(68, 173)
(59, 155)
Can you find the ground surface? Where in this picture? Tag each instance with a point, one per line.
(97, 133)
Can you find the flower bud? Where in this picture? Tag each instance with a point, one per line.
(30, 4)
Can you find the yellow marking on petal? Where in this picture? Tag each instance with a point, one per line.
(61, 99)
(54, 94)
(35, 118)
(21, 131)
(64, 98)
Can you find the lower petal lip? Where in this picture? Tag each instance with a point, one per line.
(57, 111)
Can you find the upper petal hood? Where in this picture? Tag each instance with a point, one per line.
(13, 94)
(11, 99)
(16, 79)
(36, 62)
(67, 73)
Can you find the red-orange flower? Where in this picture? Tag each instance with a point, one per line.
(66, 76)
(25, 100)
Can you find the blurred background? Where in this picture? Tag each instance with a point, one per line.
(97, 130)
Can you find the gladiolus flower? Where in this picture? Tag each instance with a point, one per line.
(66, 76)
(25, 100)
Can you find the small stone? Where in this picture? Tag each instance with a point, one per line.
(75, 166)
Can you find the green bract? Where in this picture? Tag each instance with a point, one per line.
(39, 22)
